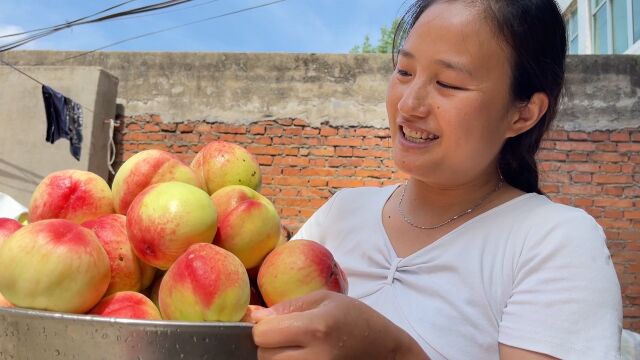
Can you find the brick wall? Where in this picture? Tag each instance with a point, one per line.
(302, 165)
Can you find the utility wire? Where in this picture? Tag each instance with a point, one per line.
(68, 23)
(142, 9)
(168, 11)
(169, 28)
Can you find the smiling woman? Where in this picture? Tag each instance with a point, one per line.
(468, 259)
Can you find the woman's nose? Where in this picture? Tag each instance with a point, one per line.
(415, 101)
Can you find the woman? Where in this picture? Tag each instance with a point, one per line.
(467, 260)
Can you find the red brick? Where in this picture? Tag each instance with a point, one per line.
(345, 183)
(611, 179)
(613, 190)
(155, 146)
(274, 131)
(347, 132)
(635, 136)
(328, 131)
(296, 131)
(264, 150)
(556, 135)
(169, 127)
(608, 157)
(615, 203)
(599, 136)
(550, 188)
(371, 142)
(291, 161)
(575, 146)
(613, 214)
(582, 202)
(257, 129)
(344, 151)
(317, 182)
(291, 181)
(310, 132)
(576, 156)
(581, 178)
(555, 177)
(185, 128)
(580, 189)
(381, 174)
(606, 147)
(551, 155)
(263, 140)
(284, 122)
(620, 136)
(318, 172)
(189, 138)
(156, 118)
(631, 147)
(632, 214)
(300, 122)
(578, 135)
(337, 141)
(610, 168)
(134, 127)
(264, 160)
(547, 144)
(370, 153)
(346, 172)
(323, 151)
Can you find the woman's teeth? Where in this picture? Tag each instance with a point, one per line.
(418, 136)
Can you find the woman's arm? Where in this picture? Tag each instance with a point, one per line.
(328, 325)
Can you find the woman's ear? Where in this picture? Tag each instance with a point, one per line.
(528, 114)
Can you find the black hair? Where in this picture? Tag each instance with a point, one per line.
(534, 32)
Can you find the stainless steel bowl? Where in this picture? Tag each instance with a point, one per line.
(35, 335)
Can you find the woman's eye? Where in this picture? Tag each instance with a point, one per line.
(448, 86)
(403, 73)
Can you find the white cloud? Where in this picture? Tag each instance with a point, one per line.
(6, 29)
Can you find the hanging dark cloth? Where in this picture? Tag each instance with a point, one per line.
(64, 119)
(74, 126)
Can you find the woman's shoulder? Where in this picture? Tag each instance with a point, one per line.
(544, 212)
(364, 193)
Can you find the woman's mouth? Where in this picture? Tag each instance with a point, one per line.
(417, 136)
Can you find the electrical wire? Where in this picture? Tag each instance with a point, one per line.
(68, 22)
(139, 10)
(168, 29)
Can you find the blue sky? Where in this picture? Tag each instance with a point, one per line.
(319, 26)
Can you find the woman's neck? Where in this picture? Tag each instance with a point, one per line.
(429, 204)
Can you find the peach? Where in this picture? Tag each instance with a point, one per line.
(298, 268)
(221, 163)
(128, 305)
(74, 195)
(7, 227)
(248, 223)
(146, 168)
(206, 283)
(4, 302)
(54, 265)
(166, 218)
(127, 271)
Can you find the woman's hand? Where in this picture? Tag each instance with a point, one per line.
(328, 325)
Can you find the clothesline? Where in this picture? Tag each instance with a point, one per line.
(73, 133)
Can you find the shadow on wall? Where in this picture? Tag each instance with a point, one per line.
(9, 170)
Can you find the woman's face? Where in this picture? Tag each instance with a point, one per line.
(448, 99)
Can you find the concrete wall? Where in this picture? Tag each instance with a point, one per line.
(603, 91)
(25, 156)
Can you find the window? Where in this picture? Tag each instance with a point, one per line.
(616, 25)
(572, 32)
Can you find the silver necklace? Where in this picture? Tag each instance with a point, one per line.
(410, 222)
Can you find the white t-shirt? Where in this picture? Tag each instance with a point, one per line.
(529, 273)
